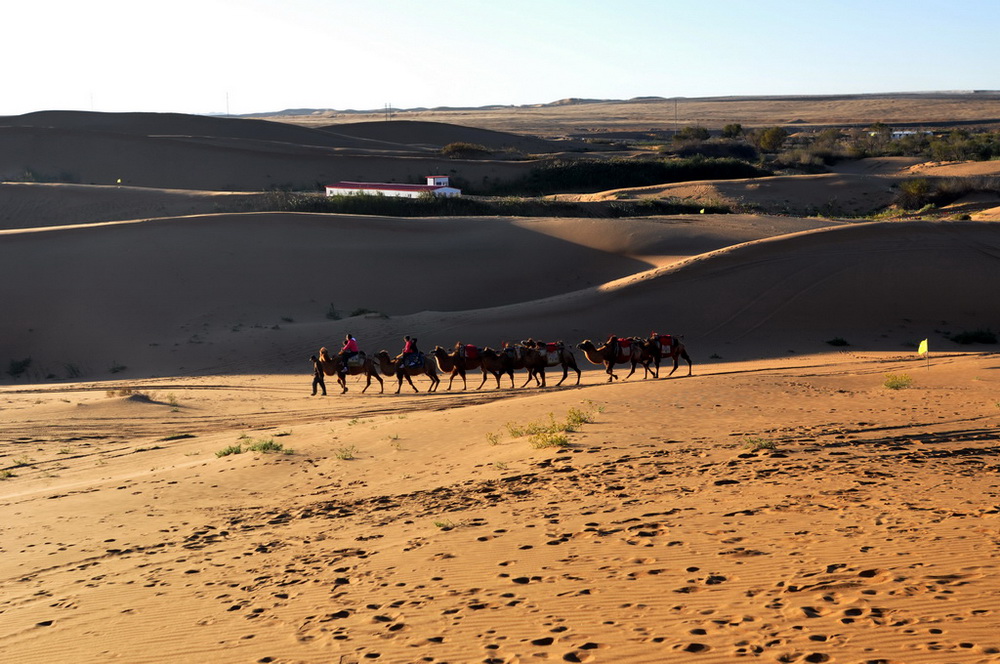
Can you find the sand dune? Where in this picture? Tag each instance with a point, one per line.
(829, 194)
(221, 154)
(172, 493)
(438, 134)
(866, 533)
(235, 293)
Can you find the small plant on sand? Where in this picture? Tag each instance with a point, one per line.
(231, 449)
(755, 444)
(500, 465)
(22, 460)
(493, 438)
(514, 430)
(178, 436)
(6, 474)
(576, 417)
(346, 453)
(447, 524)
(267, 446)
(332, 313)
(545, 439)
(897, 381)
(838, 341)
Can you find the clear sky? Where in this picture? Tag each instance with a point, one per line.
(248, 56)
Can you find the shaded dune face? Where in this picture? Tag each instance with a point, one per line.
(157, 293)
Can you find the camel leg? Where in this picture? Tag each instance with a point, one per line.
(485, 374)
(683, 354)
(577, 370)
(632, 371)
(342, 381)
(609, 368)
(381, 383)
(565, 373)
(435, 381)
(541, 372)
(531, 374)
(451, 378)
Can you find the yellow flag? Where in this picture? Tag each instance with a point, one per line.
(922, 349)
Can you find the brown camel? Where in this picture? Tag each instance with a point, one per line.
(365, 366)
(499, 362)
(664, 346)
(393, 366)
(537, 356)
(464, 358)
(616, 351)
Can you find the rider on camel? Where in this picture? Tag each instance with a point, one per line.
(409, 350)
(349, 350)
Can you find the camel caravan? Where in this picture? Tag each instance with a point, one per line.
(529, 355)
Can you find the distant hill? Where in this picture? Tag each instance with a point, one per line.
(439, 134)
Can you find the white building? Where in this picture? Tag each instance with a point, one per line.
(437, 185)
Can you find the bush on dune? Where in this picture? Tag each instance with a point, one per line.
(588, 175)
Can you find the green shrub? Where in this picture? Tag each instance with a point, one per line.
(693, 133)
(267, 446)
(544, 439)
(462, 150)
(755, 444)
(346, 453)
(913, 193)
(897, 381)
(231, 449)
(585, 175)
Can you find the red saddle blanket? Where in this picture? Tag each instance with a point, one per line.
(666, 340)
(624, 343)
(553, 347)
(471, 351)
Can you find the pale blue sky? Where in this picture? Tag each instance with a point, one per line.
(265, 55)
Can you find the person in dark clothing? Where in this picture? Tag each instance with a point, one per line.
(318, 380)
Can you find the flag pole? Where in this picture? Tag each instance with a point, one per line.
(924, 350)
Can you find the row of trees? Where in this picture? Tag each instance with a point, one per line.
(832, 144)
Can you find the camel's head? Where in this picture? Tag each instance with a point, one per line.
(585, 344)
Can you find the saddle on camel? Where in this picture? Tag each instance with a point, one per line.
(354, 365)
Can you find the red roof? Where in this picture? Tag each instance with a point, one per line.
(390, 186)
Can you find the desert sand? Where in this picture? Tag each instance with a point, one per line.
(780, 504)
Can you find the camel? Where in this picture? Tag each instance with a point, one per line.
(499, 362)
(665, 345)
(332, 365)
(463, 359)
(617, 351)
(537, 356)
(389, 366)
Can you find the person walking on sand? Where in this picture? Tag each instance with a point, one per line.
(318, 380)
